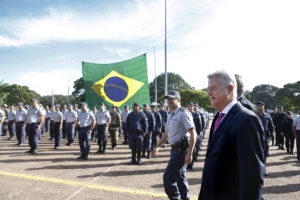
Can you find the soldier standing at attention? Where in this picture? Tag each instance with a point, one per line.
(164, 116)
(124, 117)
(158, 125)
(57, 126)
(182, 136)
(114, 126)
(64, 122)
(34, 125)
(86, 121)
(77, 126)
(20, 124)
(147, 139)
(287, 130)
(71, 118)
(51, 122)
(278, 122)
(2, 117)
(103, 121)
(137, 126)
(48, 116)
(11, 122)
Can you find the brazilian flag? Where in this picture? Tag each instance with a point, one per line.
(118, 84)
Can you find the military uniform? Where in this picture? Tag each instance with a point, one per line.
(278, 122)
(136, 126)
(287, 129)
(11, 122)
(164, 117)
(148, 138)
(124, 129)
(34, 115)
(51, 124)
(71, 118)
(20, 125)
(2, 118)
(157, 128)
(48, 116)
(268, 126)
(102, 118)
(114, 127)
(57, 125)
(85, 119)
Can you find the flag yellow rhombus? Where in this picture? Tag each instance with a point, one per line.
(116, 88)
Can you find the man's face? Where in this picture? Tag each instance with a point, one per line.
(219, 95)
(33, 103)
(135, 108)
(56, 108)
(83, 107)
(145, 108)
(126, 108)
(161, 107)
(280, 110)
(101, 106)
(260, 108)
(70, 108)
(190, 107)
(173, 102)
(20, 107)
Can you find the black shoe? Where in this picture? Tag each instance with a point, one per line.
(34, 152)
(29, 151)
(191, 167)
(113, 147)
(57, 147)
(67, 144)
(99, 151)
(71, 144)
(86, 157)
(80, 157)
(139, 162)
(125, 142)
(148, 154)
(266, 174)
(292, 153)
(132, 162)
(21, 144)
(287, 152)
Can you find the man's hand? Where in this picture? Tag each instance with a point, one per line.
(39, 127)
(144, 134)
(188, 158)
(89, 132)
(155, 151)
(60, 128)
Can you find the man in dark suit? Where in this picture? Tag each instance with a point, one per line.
(234, 166)
(240, 97)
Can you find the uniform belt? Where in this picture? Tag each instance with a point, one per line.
(86, 126)
(33, 123)
(101, 124)
(70, 122)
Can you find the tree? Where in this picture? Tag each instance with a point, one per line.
(199, 96)
(58, 99)
(175, 81)
(79, 92)
(265, 93)
(289, 96)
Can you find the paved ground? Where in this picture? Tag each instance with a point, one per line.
(57, 174)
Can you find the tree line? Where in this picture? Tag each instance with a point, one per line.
(272, 96)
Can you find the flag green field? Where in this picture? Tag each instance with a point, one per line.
(118, 84)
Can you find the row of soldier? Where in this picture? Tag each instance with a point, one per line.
(141, 129)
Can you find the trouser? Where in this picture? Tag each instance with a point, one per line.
(154, 139)
(114, 136)
(94, 133)
(47, 124)
(84, 140)
(0, 132)
(57, 134)
(163, 130)
(70, 130)
(4, 127)
(76, 130)
(289, 142)
(27, 129)
(147, 142)
(64, 129)
(135, 141)
(33, 136)
(11, 128)
(298, 143)
(102, 136)
(124, 128)
(279, 138)
(51, 129)
(175, 181)
(266, 150)
(20, 132)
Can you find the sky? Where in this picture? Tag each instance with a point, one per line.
(42, 42)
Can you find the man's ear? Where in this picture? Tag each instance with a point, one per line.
(230, 89)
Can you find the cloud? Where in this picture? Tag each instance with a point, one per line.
(46, 82)
(133, 21)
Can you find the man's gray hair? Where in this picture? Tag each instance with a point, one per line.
(225, 79)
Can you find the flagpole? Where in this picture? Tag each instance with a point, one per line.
(52, 97)
(166, 71)
(155, 76)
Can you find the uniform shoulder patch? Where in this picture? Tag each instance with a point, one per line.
(182, 109)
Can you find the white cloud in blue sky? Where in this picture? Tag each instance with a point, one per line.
(44, 39)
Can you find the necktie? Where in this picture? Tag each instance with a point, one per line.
(218, 121)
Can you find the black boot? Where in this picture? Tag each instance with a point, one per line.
(100, 149)
(86, 156)
(148, 154)
(104, 147)
(81, 156)
(144, 153)
(139, 162)
(133, 157)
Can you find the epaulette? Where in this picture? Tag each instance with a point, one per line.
(182, 109)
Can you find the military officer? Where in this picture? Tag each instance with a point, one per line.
(2, 117)
(77, 126)
(51, 122)
(34, 125)
(48, 116)
(11, 121)
(287, 130)
(86, 121)
(124, 117)
(20, 124)
(71, 118)
(278, 122)
(137, 126)
(103, 121)
(148, 138)
(57, 126)
(182, 136)
(64, 122)
(114, 126)
(158, 126)
(164, 116)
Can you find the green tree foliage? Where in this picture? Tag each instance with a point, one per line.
(265, 93)
(79, 92)
(289, 96)
(16, 93)
(175, 81)
(199, 96)
(58, 99)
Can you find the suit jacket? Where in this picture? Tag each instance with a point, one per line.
(246, 103)
(234, 166)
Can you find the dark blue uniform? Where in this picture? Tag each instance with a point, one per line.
(157, 128)
(278, 122)
(149, 132)
(164, 118)
(287, 129)
(198, 122)
(136, 125)
(268, 127)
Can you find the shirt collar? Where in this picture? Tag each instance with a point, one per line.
(229, 106)
(176, 109)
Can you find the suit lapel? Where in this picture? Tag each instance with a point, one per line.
(224, 124)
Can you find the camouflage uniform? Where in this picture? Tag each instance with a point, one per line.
(114, 127)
